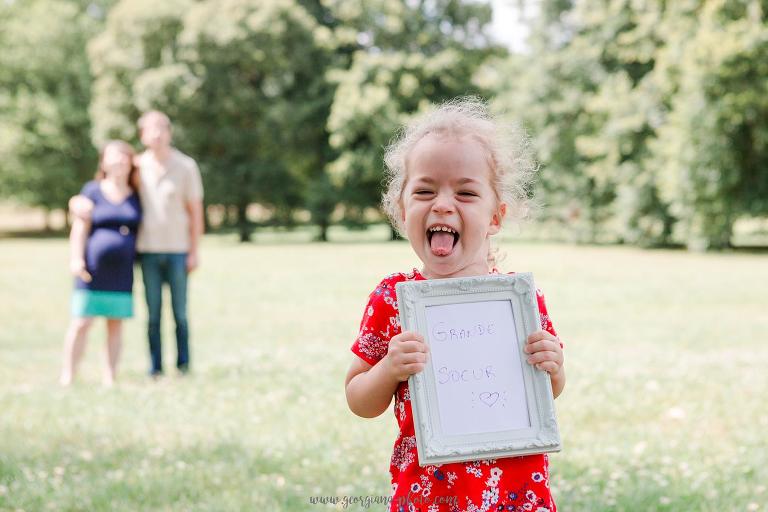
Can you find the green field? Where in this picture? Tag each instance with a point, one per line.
(665, 406)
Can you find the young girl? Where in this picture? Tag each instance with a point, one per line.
(102, 251)
(453, 176)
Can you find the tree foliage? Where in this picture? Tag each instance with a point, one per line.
(45, 89)
(649, 116)
(243, 82)
(408, 55)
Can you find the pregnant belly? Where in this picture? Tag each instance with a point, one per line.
(108, 247)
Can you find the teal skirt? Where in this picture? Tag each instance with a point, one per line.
(87, 303)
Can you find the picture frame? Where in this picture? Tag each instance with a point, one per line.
(477, 397)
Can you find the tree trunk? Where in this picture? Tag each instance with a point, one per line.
(323, 235)
(206, 219)
(67, 223)
(47, 220)
(243, 227)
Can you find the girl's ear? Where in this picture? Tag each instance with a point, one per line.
(497, 219)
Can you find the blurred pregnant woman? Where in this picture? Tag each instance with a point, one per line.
(102, 252)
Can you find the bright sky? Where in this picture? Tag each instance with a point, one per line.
(506, 26)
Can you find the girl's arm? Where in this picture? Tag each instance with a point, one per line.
(558, 382)
(370, 389)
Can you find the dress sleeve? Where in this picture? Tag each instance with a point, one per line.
(89, 190)
(379, 324)
(546, 321)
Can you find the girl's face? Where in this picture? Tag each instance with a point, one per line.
(449, 206)
(116, 162)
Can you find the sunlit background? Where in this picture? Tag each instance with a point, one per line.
(648, 123)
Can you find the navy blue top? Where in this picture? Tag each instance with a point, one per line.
(111, 245)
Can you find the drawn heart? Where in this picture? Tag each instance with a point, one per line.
(489, 398)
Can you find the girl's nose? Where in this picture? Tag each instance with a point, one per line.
(443, 204)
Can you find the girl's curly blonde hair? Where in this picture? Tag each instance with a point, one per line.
(508, 149)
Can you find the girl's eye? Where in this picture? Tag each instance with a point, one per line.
(467, 193)
(422, 192)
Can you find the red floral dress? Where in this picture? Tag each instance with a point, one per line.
(511, 484)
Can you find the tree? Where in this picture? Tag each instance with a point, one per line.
(45, 85)
(243, 82)
(647, 115)
(714, 149)
(407, 55)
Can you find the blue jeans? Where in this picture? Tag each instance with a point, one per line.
(171, 268)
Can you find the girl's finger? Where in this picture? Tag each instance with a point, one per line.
(538, 336)
(414, 357)
(548, 366)
(413, 368)
(540, 357)
(538, 346)
(413, 346)
(410, 335)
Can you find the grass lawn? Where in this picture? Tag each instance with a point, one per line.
(665, 406)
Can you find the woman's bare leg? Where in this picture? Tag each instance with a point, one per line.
(114, 345)
(74, 346)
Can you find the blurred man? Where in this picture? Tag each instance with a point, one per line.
(172, 200)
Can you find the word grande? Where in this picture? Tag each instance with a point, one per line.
(441, 332)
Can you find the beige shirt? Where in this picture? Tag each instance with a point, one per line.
(166, 189)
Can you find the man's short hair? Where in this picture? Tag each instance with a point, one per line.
(146, 115)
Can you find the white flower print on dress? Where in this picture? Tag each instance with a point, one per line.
(404, 453)
(527, 506)
(537, 477)
(490, 497)
(473, 469)
(372, 346)
(493, 481)
(471, 507)
(370, 310)
(530, 496)
(426, 485)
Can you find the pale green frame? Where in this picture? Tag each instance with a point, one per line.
(433, 446)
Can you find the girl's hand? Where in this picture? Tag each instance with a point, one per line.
(546, 352)
(406, 356)
(77, 267)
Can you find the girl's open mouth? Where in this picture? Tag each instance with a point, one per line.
(442, 240)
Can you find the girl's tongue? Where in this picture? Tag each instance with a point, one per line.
(442, 243)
